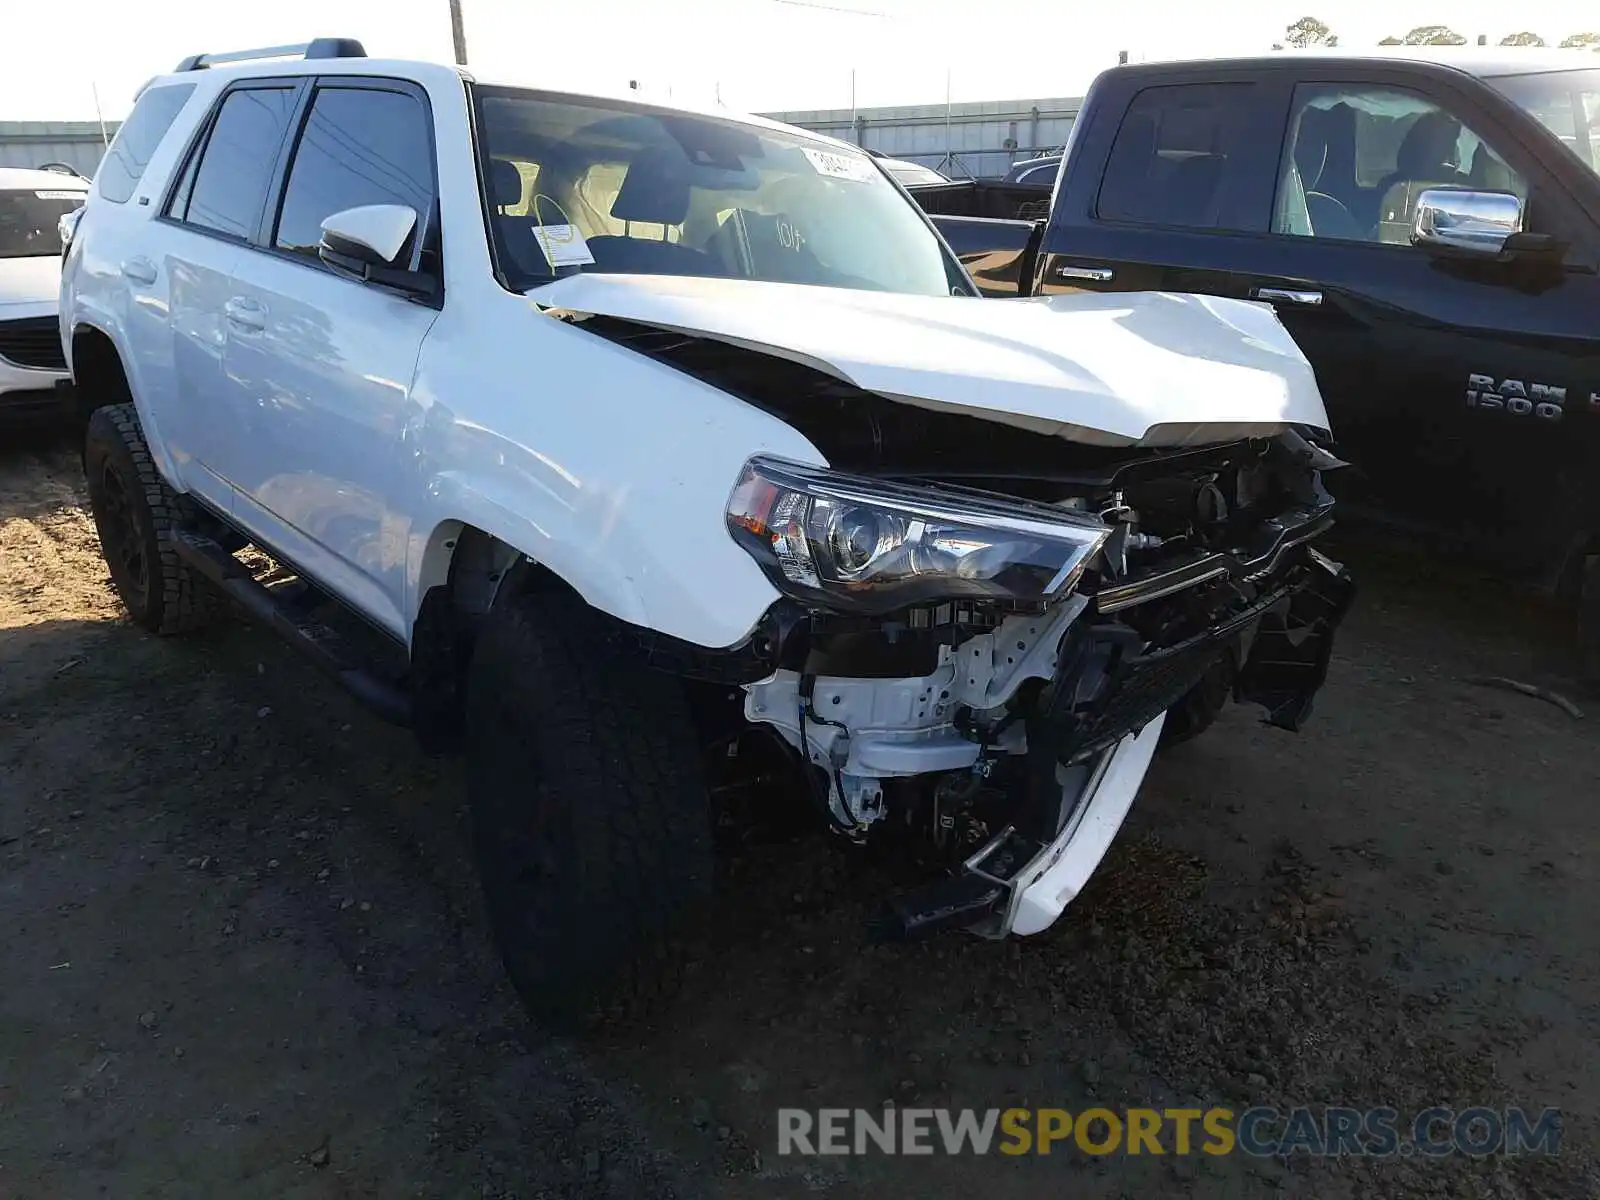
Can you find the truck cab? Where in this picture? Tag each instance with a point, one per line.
(1427, 228)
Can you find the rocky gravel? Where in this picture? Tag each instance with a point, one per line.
(244, 954)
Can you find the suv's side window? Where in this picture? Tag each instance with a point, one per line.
(137, 140)
(360, 146)
(1170, 159)
(225, 185)
(1358, 157)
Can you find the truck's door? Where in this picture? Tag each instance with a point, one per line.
(1399, 336)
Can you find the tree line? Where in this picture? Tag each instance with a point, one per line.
(1309, 31)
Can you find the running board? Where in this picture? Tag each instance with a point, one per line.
(323, 647)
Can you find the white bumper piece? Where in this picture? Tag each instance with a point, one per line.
(1050, 882)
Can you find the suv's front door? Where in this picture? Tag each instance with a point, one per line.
(320, 365)
(1456, 386)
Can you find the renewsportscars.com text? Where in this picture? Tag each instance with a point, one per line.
(1260, 1131)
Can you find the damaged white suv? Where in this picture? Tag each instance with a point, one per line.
(655, 444)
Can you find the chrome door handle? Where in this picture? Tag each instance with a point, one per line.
(1088, 274)
(139, 270)
(246, 314)
(1305, 297)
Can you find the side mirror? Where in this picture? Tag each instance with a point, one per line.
(373, 235)
(1477, 224)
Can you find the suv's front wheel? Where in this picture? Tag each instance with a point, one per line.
(137, 516)
(591, 821)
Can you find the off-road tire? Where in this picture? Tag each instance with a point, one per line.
(590, 817)
(136, 515)
(1589, 620)
(1202, 704)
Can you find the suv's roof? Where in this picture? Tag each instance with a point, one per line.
(1482, 61)
(28, 179)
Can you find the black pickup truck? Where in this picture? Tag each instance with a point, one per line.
(1427, 229)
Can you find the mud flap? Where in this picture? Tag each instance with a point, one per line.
(1289, 655)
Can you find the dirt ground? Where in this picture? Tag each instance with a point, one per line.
(243, 954)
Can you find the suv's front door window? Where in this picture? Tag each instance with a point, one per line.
(1567, 103)
(360, 146)
(1359, 156)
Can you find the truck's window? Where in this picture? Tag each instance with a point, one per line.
(124, 164)
(1567, 103)
(650, 191)
(226, 188)
(1170, 158)
(1358, 157)
(359, 146)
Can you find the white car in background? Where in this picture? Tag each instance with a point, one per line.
(33, 369)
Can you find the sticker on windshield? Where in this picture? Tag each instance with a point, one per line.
(61, 195)
(840, 166)
(563, 245)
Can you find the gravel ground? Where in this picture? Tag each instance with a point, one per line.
(245, 955)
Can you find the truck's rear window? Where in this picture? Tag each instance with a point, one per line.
(1567, 103)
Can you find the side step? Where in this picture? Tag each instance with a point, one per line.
(322, 646)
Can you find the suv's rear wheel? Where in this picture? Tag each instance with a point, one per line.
(136, 515)
(591, 821)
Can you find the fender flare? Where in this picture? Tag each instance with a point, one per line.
(107, 326)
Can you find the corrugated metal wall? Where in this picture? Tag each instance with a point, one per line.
(980, 139)
(32, 143)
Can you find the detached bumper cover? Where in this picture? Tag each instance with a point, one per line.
(1090, 756)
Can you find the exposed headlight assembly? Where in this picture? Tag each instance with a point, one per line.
(872, 546)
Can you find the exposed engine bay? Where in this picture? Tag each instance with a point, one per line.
(988, 729)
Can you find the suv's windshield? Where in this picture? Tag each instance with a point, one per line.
(28, 220)
(1567, 103)
(647, 192)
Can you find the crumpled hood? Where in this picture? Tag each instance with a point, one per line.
(1154, 368)
(33, 280)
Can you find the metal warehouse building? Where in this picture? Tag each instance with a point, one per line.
(79, 144)
(980, 139)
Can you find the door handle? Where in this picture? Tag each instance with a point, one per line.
(1088, 274)
(1304, 297)
(246, 314)
(139, 270)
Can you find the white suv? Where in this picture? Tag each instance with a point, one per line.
(32, 370)
(665, 446)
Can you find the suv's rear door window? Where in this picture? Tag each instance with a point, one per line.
(124, 164)
(360, 146)
(1169, 163)
(229, 185)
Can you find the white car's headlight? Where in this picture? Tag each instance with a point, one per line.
(871, 545)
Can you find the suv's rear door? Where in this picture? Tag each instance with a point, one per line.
(319, 364)
(211, 213)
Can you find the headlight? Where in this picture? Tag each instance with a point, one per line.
(874, 545)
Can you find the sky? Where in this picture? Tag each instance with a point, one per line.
(752, 55)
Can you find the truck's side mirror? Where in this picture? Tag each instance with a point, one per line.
(1458, 221)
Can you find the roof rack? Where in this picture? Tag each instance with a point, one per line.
(317, 48)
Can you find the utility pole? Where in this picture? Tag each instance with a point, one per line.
(458, 33)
